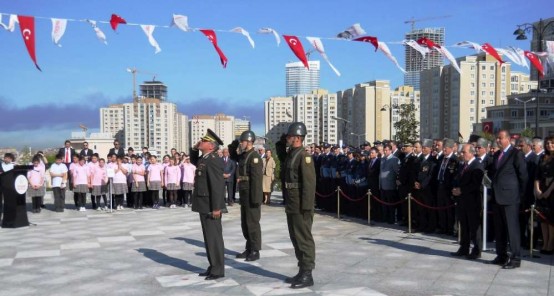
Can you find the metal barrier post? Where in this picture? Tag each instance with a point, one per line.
(485, 214)
(459, 232)
(409, 213)
(532, 230)
(368, 207)
(338, 202)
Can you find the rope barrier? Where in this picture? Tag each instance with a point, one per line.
(543, 217)
(352, 199)
(387, 203)
(433, 208)
(325, 195)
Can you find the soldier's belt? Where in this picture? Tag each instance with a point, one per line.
(244, 178)
(293, 185)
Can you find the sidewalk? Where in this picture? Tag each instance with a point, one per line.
(160, 252)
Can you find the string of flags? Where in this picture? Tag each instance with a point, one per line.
(353, 33)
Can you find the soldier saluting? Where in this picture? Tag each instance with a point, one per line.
(250, 177)
(300, 183)
(208, 200)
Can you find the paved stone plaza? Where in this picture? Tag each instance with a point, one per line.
(160, 252)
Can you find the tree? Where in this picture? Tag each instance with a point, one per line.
(528, 132)
(406, 127)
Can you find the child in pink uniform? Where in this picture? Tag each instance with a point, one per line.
(36, 184)
(172, 180)
(98, 180)
(120, 182)
(81, 182)
(138, 185)
(155, 178)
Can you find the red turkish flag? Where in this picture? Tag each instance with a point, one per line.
(425, 41)
(297, 48)
(116, 20)
(27, 27)
(490, 50)
(370, 39)
(213, 39)
(535, 61)
(487, 127)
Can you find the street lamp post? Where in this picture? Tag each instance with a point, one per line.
(343, 128)
(524, 110)
(539, 30)
(390, 108)
(358, 135)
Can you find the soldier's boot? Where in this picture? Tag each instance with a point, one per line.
(291, 280)
(304, 280)
(253, 256)
(243, 254)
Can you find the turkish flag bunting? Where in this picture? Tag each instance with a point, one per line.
(27, 26)
(116, 20)
(425, 41)
(487, 127)
(213, 39)
(490, 50)
(535, 61)
(297, 48)
(370, 39)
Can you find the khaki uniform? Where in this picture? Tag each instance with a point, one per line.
(250, 178)
(300, 183)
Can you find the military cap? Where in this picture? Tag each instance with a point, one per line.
(448, 143)
(248, 136)
(407, 144)
(474, 138)
(377, 143)
(482, 142)
(366, 143)
(212, 137)
(297, 129)
(427, 143)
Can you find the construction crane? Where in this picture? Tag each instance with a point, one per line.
(83, 127)
(413, 21)
(134, 71)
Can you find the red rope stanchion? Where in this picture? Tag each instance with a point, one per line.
(543, 217)
(352, 199)
(325, 195)
(433, 208)
(387, 203)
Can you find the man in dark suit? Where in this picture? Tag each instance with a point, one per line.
(373, 169)
(86, 152)
(390, 165)
(509, 181)
(67, 152)
(525, 145)
(467, 192)
(423, 188)
(446, 170)
(229, 175)
(404, 180)
(208, 200)
(117, 149)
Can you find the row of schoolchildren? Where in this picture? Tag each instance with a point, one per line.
(128, 176)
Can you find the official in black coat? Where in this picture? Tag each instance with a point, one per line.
(524, 144)
(509, 181)
(424, 185)
(117, 149)
(467, 193)
(229, 168)
(67, 153)
(86, 152)
(373, 170)
(446, 171)
(208, 200)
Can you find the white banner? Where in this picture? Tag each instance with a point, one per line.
(245, 33)
(11, 23)
(58, 29)
(385, 49)
(149, 31)
(318, 45)
(99, 34)
(181, 22)
(413, 44)
(271, 31)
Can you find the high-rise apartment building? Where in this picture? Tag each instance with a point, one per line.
(520, 83)
(150, 122)
(300, 80)
(278, 115)
(317, 111)
(403, 95)
(154, 90)
(452, 103)
(223, 125)
(241, 125)
(414, 63)
(361, 107)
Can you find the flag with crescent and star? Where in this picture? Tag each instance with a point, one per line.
(213, 39)
(490, 50)
(27, 26)
(116, 20)
(370, 39)
(297, 48)
(535, 61)
(445, 53)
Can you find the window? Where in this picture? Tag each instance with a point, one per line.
(482, 102)
(472, 102)
(483, 84)
(514, 113)
(491, 102)
(492, 68)
(483, 93)
(484, 76)
(492, 76)
(491, 84)
(472, 93)
(491, 93)
(483, 67)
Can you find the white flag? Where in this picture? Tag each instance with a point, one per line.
(413, 44)
(11, 23)
(149, 31)
(245, 33)
(385, 49)
(511, 55)
(550, 57)
(318, 45)
(58, 29)
(470, 44)
(181, 22)
(99, 34)
(270, 31)
(352, 32)
(521, 54)
(449, 57)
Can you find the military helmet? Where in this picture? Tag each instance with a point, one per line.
(297, 129)
(247, 136)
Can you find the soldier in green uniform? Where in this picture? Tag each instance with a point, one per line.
(250, 176)
(300, 183)
(208, 200)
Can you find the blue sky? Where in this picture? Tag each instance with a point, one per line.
(42, 108)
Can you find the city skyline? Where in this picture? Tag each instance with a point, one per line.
(84, 74)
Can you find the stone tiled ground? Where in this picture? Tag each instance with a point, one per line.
(160, 252)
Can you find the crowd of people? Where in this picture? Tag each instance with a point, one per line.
(436, 175)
